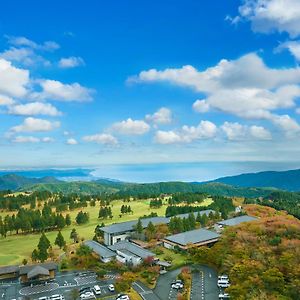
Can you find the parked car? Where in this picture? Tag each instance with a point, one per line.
(223, 277)
(177, 284)
(87, 295)
(97, 290)
(111, 288)
(123, 297)
(56, 297)
(223, 284)
(224, 296)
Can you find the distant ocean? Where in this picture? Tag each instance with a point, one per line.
(197, 171)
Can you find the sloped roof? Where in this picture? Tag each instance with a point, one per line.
(100, 249)
(49, 266)
(192, 237)
(201, 212)
(37, 271)
(237, 220)
(133, 248)
(9, 270)
(129, 226)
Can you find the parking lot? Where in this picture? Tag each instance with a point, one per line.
(64, 284)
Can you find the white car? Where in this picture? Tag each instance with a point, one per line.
(223, 284)
(111, 288)
(87, 295)
(223, 277)
(178, 284)
(97, 290)
(224, 296)
(57, 297)
(123, 297)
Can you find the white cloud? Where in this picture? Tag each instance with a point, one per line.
(267, 16)
(201, 106)
(21, 41)
(287, 124)
(131, 127)
(187, 134)
(47, 139)
(72, 141)
(103, 138)
(167, 137)
(13, 81)
(260, 133)
(34, 108)
(55, 90)
(162, 116)
(25, 139)
(4, 100)
(292, 46)
(34, 125)
(70, 62)
(236, 131)
(245, 87)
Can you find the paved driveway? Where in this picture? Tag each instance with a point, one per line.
(145, 292)
(204, 284)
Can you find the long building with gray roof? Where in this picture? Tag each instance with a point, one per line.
(192, 238)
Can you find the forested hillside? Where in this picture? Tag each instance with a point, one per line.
(262, 258)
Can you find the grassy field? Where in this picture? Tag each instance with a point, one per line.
(13, 249)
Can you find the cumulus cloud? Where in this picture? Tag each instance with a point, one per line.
(187, 134)
(34, 108)
(13, 81)
(201, 106)
(47, 139)
(236, 131)
(72, 141)
(4, 100)
(267, 16)
(131, 127)
(103, 138)
(162, 116)
(56, 90)
(292, 46)
(70, 62)
(287, 124)
(35, 125)
(244, 87)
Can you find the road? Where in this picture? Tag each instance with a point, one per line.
(204, 285)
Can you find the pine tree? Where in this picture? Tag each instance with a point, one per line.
(74, 235)
(60, 241)
(68, 220)
(139, 226)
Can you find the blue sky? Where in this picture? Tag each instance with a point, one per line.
(146, 82)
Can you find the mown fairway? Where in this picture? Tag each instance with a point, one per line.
(13, 249)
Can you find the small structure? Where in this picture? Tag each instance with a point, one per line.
(129, 253)
(9, 272)
(42, 271)
(121, 231)
(192, 238)
(104, 253)
(235, 221)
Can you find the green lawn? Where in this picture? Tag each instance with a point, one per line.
(13, 249)
(178, 259)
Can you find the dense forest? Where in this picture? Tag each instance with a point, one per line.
(280, 200)
(262, 259)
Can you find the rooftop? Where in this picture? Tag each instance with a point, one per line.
(133, 248)
(192, 237)
(237, 220)
(202, 212)
(100, 249)
(9, 270)
(49, 266)
(129, 226)
(37, 271)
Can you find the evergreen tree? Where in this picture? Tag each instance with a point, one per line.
(60, 241)
(68, 220)
(74, 235)
(139, 227)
